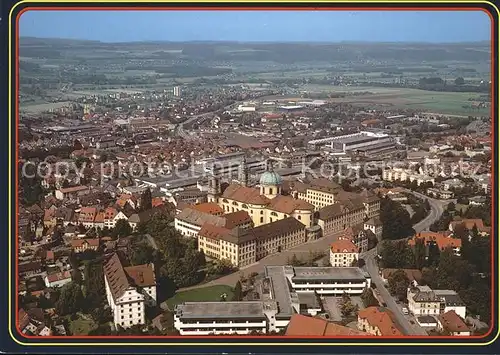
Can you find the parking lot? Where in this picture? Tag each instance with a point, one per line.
(331, 304)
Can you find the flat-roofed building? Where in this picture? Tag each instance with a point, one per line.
(327, 280)
(206, 318)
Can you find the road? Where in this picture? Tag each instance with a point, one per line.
(437, 208)
(301, 251)
(179, 130)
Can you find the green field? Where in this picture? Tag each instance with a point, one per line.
(430, 101)
(207, 294)
(81, 326)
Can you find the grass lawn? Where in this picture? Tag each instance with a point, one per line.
(211, 293)
(81, 326)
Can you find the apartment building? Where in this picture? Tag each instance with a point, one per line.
(399, 174)
(318, 192)
(244, 246)
(336, 218)
(343, 253)
(422, 301)
(128, 291)
(378, 321)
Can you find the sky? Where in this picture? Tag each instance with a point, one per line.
(259, 26)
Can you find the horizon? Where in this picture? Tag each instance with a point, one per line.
(252, 42)
(436, 27)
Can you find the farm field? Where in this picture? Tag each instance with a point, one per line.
(40, 107)
(435, 101)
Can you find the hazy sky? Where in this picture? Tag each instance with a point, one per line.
(313, 26)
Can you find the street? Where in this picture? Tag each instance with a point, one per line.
(437, 208)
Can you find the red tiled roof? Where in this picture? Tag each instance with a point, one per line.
(381, 318)
(443, 241)
(301, 325)
(343, 246)
(208, 207)
(452, 322)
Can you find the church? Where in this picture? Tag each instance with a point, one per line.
(265, 204)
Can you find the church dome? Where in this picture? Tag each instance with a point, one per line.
(270, 178)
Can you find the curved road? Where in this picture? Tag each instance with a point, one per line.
(437, 208)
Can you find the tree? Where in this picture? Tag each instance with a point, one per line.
(450, 207)
(395, 219)
(347, 308)
(122, 229)
(459, 81)
(238, 295)
(398, 284)
(71, 299)
(397, 255)
(368, 298)
(142, 254)
(419, 250)
(146, 200)
(95, 290)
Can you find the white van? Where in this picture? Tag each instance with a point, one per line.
(405, 311)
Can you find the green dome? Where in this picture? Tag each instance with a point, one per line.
(270, 178)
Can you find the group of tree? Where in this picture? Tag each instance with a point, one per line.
(469, 274)
(395, 219)
(347, 308)
(398, 284)
(368, 298)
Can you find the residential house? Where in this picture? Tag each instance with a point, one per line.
(343, 253)
(86, 216)
(81, 245)
(439, 239)
(452, 323)
(469, 224)
(72, 193)
(422, 301)
(378, 321)
(58, 279)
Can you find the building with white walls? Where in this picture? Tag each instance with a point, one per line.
(128, 291)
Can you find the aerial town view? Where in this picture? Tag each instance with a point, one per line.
(243, 177)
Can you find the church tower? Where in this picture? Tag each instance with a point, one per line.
(270, 183)
(213, 189)
(243, 172)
